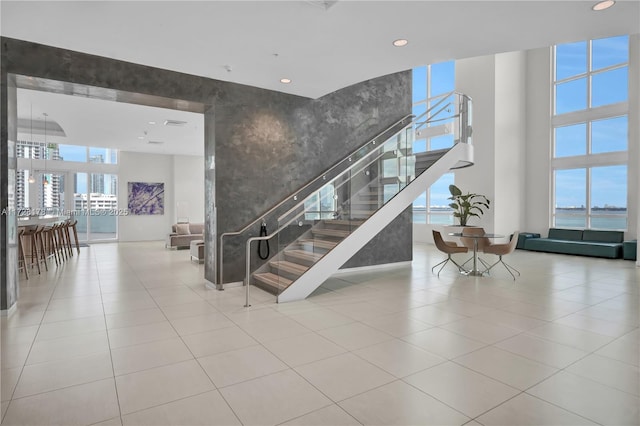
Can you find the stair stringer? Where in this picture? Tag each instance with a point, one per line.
(334, 259)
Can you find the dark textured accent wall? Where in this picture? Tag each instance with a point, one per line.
(278, 148)
(4, 180)
(266, 144)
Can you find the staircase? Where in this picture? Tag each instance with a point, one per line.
(361, 201)
(302, 254)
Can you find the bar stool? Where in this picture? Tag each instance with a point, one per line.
(53, 246)
(60, 243)
(21, 257)
(42, 255)
(50, 243)
(67, 238)
(72, 225)
(31, 235)
(55, 243)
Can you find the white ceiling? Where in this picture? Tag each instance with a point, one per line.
(321, 50)
(99, 123)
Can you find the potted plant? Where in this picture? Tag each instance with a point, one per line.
(467, 205)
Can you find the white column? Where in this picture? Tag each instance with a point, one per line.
(634, 138)
(497, 85)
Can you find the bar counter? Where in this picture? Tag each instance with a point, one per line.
(40, 220)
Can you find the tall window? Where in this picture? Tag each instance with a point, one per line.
(430, 83)
(590, 134)
(70, 179)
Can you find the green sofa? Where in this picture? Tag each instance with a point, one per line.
(575, 241)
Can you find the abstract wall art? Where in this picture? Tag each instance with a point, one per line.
(146, 198)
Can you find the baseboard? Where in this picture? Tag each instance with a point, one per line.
(211, 286)
(373, 267)
(8, 312)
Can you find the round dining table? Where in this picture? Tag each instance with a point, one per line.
(475, 272)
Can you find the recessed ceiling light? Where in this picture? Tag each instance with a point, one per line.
(170, 122)
(152, 122)
(140, 137)
(285, 80)
(400, 42)
(606, 4)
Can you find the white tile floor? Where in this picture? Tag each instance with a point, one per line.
(127, 334)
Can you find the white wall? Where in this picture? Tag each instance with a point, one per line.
(138, 167)
(538, 146)
(497, 85)
(188, 187)
(634, 137)
(476, 77)
(509, 142)
(183, 178)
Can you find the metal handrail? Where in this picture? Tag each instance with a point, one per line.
(443, 98)
(428, 120)
(370, 161)
(248, 258)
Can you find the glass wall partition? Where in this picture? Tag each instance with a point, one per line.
(81, 204)
(103, 207)
(96, 206)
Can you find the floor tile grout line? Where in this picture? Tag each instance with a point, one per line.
(61, 388)
(293, 369)
(33, 342)
(322, 408)
(573, 347)
(563, 408)
(176, 400)
(113, 372)
(195, 359)
(543, 400)
(435, 398)
(467, 301)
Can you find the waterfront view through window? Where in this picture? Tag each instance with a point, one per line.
(590, 134)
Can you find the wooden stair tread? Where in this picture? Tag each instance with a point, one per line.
(331, 232)
(290, 267)
(366, 213)
(344, 222)
(319, 243)
(304, 255)
(434, 155)
(273, 280)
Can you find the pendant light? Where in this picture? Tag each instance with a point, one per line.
(46, 150)
(31, 178)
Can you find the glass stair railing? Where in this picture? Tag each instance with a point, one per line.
(309, 190)
(316, 226)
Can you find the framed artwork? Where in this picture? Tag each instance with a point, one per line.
(146, 198)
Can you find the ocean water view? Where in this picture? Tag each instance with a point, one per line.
(600, 219)
(614, 219)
